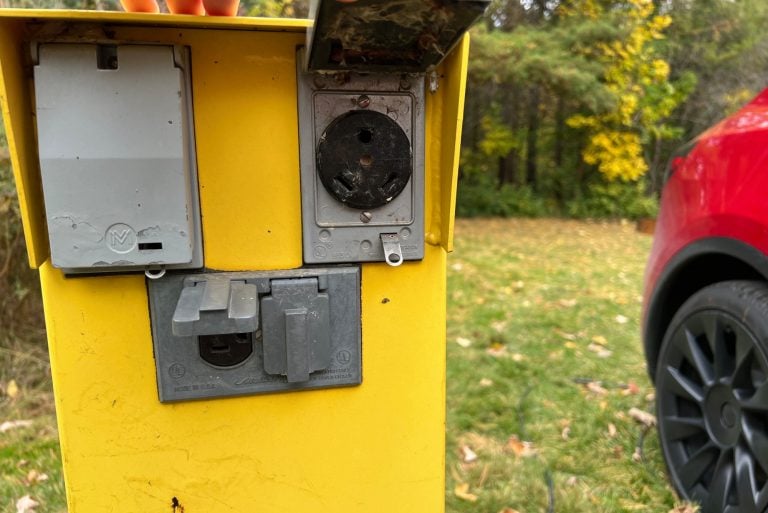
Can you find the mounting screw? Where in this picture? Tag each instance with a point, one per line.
(366, 217)
(363, 102)
(319, 81)
(405, 84)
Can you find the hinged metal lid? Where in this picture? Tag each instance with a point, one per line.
(406, 36)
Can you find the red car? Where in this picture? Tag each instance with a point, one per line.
(705, 322)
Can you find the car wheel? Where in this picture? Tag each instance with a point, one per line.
(712, 398)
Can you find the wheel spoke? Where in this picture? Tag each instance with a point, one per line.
(744, 357)
(723, 360)
(757, 442)
(677, 428)
(691, 471)
(745, 481)
(684, 387)
(697, 358)
(721, 484)
(757, 401)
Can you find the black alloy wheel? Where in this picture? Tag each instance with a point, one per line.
(712, 398)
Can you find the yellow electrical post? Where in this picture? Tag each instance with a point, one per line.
(219, 211)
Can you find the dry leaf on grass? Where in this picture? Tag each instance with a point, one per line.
(34, 477)
(621, 319)
(643, 417)
(509, 510)
(596, 388)
(463, 342)
(26, 505)
(497, 349)
(13, 424)
(601, 351)
(499, 326)
(467, 454)
(599, 339)
(461, 490)
(12, 389)
(611, 430)
(567, 303)
(520, 448)
(632, 389)
(485, 382)
(685, 508)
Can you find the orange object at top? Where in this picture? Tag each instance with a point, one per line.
(196, 7)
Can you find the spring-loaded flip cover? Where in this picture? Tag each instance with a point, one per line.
(387, 35)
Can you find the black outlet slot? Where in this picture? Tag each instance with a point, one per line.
(225, 350)
(145, 246)
(106, 57)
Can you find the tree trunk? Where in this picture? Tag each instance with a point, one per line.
(531, 168)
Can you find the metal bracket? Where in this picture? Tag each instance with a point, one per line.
(393, 254)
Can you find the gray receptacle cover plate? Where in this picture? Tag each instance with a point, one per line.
(182, 374)
(117, 158)
(333, 232)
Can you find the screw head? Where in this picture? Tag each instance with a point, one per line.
(366, 217)
(405, 84)
(363, 101)
(319, 81)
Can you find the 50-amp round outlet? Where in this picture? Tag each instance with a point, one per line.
(364, 159)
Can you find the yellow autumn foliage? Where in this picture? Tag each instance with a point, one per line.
(631, 68)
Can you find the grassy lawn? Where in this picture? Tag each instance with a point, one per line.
(544, 365)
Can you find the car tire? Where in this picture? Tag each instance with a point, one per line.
(712, 398)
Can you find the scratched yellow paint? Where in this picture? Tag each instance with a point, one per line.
(378, 447)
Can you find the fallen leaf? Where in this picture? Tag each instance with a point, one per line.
(632, 389)
(650, 397)
(599, 339)
(517, 357)
(520, 448)
(571, 345)
(601, 351)
(467, 454)
(26, 505)
(485, 382)
(461, 490)
(499, 326)
(12, 389)
(497, 349)
(458, 266)
(571, 481)
(685, 508)
(611, 430)
(518, 285)
(565, 433)
(643, 417)
(567, 303)
(596, 388)
(637, 455)
(618, 451)
(34, 477)
(13, 424)
(463, 342)
(509, 510)
(621, 319)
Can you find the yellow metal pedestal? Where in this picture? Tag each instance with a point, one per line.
(377, 447)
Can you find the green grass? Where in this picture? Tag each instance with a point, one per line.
(542, 303)
(536, 293)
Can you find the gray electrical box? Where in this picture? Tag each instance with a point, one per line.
(362, 166)
(117, 160)
(225, 334)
